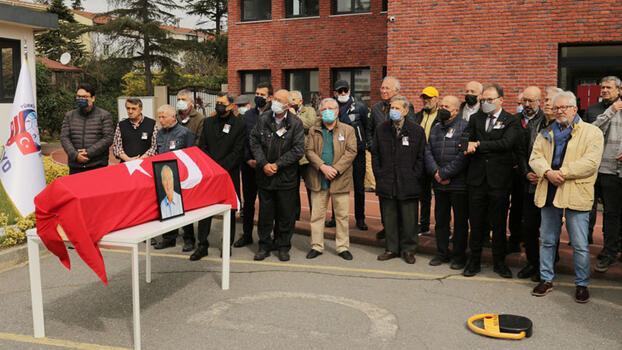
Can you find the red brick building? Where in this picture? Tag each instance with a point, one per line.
(307, 44)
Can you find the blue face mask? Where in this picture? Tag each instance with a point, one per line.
(395, 115)
(328, 116)
(82, 103)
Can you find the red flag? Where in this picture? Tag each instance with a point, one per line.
(92, 204)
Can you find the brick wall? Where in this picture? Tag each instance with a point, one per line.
(322, 43)
(512, 42)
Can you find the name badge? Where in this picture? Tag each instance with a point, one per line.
(144, 136)
(226, 128)
(281, 132)
(405, 141)
(450, 133)
(171, 145)
(340, 138)
(498, 125)
(352, 117)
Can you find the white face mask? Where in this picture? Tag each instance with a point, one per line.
(242, 110)
(488, 107)
(277, 107)
(343, 98)
(182, 105)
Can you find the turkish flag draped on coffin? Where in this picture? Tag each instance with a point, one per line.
(92, 204)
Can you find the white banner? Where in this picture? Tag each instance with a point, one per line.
(21, 166)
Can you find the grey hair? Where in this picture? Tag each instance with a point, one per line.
(327, 100)
(168, 109)
(552, 90)
(186, 93)
(572, 99)
(167, 169)
(397, 82)
(295, 92)
(613, 78)
(401, 98)
(480, 87)
(135, 101)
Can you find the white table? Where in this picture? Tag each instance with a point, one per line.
(130, 238)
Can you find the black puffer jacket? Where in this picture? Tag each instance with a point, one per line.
(93, 131)
(398, 165)
(444, 154)
(284, 150)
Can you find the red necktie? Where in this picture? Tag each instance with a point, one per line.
(524, 122)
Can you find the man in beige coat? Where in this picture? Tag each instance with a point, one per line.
(330, 150)
(565, 157)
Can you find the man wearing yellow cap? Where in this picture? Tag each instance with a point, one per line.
(426, 117)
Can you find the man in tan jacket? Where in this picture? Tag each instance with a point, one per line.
(330, 149)
(565, 158)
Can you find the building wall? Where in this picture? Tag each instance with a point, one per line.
(512, 42)
(341, 41)
(24, 34)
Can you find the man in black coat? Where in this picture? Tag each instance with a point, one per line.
(610, 91)
(397, 161)
(492, 137)
(277, 143)
(222, 139)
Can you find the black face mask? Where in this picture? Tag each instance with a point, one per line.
(471, 100)
(295, 107)
(443, 115)
(260, 101)
(427, 109)
(220, 109)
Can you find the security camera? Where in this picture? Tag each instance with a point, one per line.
(391, 19)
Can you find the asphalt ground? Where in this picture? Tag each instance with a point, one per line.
(325, 303)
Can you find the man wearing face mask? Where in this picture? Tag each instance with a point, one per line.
(222, 139)
(188, 116)
(426, 117)
(308, 117)
(446, 163)
(262, 100)
(397, 159)
(87, 133)
(277, 143)
(472, 94)
(242, 104)
(493, 135)
(355, 114)
(610, 90)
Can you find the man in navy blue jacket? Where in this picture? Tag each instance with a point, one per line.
(446, 163)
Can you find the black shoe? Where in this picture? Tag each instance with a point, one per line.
(243, 241)
(154, 241)
(513, 247)
(312, 254)
(457, 265)
(360, 224)
(472, 268)
(536, 277)
(199, 253)
(283, 255)
(437, 260)
(582, 294)
(528, 271)
(165, 243)
(503, 270)
(380, 235)
(330, 223)
(604, 263)
(188, 246)
(346, 255)
(261, 254)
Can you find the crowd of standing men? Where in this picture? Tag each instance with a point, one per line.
(539, 165)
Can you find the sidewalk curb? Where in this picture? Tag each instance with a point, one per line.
(18, 255)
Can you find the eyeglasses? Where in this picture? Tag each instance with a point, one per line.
(83, 96)
(561, 108)
(489, 100)
(529, 100)
(447, 107)
(342, 90)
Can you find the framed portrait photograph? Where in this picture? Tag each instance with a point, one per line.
(168, 189)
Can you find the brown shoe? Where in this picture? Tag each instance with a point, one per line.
(387, 255)
(409, 258)
(542, 289)
(581, 295)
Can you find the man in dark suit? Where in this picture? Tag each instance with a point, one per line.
(492, 137)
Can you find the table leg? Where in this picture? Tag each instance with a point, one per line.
(148, 261)
(226, 248)
(136, 297)
(34, 267)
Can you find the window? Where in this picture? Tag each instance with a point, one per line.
(351, 6)
(302, 8)
(359, 80)
(304, 80)
(256, 10)
(385, 5)
(250, 79)
(10, 64)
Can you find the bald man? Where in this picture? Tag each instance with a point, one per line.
(446, 164)
(472, 94)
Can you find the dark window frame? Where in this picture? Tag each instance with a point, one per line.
(352, 7)
(17, 63)
(352, 70)
(385, 5)
(256, 77)
(242, 19)
(306, 94)
(288, 9)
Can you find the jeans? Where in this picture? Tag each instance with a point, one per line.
(577, 224)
